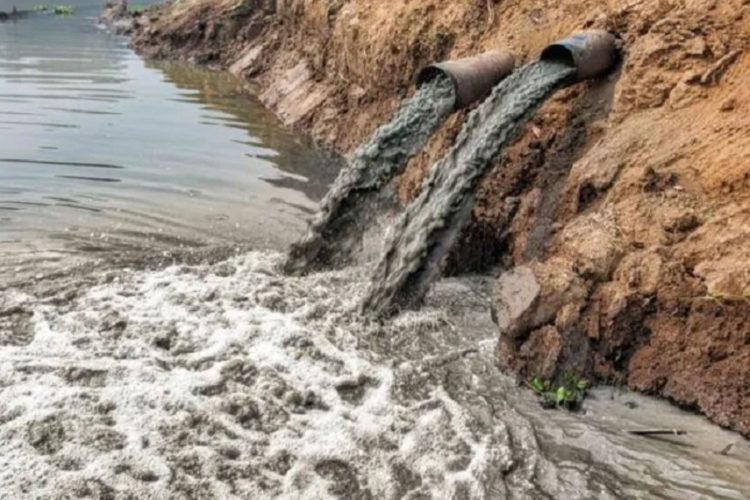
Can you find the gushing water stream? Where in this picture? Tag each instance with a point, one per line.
(427, 230)
(353, 199)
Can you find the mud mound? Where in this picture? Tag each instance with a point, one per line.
(634, 188)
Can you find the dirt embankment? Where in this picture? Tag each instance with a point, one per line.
(621, 217)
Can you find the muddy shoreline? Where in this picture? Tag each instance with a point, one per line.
(630, 216)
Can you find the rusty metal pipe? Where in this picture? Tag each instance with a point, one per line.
(592, 53)
(472, 77)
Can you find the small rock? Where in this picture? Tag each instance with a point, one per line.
(682, 223)
(515, 293)
(728, 105)
(696, 47)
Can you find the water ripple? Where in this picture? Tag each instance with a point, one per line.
(62, 163)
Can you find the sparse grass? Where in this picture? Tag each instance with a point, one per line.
(58, 10)
(63, 10)
(137, 9)
(569, 395)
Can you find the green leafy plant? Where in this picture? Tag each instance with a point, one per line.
(63, 10)
(58, 10)
(137, 9)
(568, 395)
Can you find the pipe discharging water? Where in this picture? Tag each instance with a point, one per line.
(425, 233)
(357, 194)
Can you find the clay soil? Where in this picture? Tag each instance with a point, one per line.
(623, 212)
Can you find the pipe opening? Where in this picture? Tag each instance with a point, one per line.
(473, 77)
(592, 53)
(559, 53)
(428, 74)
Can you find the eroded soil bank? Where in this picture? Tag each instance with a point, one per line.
(620, 219)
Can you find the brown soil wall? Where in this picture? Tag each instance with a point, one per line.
(623, 210)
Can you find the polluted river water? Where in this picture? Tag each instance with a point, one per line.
(224, 378)
(353, 199)
(103, 153)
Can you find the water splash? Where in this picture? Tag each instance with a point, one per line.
(351, 202)
(424, 234)
(231, 380)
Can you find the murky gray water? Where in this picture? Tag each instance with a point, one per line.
(423, 235)
(352, 203)
(230, 379)
(102, 153)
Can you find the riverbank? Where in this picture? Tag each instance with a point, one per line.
(621, 218)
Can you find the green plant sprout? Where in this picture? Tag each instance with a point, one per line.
(58, 10)
(568, 395)
(137, 9)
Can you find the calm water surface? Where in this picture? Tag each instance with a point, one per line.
(101, 152)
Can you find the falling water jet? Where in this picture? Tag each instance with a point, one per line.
(358, 193)
(423, 235)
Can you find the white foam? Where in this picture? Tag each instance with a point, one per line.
(204, 378)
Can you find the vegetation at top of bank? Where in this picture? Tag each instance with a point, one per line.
(137, 9)
(569, 394)
(58, 10)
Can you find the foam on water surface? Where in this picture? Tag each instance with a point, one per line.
(231, 380)
(218, 381)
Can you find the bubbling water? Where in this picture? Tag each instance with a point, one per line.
(233, 380)
(356, 198)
